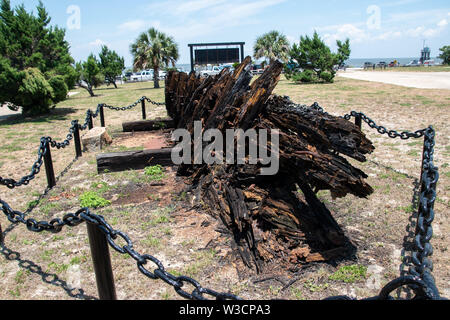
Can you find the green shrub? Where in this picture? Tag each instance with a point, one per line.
(91, 199)
(327, 76)
(35, 94)
(60, 88)
(306, 76)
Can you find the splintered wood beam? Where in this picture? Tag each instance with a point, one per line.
(133, 160)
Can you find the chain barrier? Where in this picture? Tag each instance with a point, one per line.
(420, 279)
(36, 168)
(84, 215)
(405, 135)
(131, 106)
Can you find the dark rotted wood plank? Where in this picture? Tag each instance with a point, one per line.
(133, 160)
(148, 125)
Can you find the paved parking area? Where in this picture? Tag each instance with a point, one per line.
(422, 80)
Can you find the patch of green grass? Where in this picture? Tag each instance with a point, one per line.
(78, 260)
(407, 209)
(160, 216)
(312, 286)
(91, 199)
(49, 207)
(46, 255)
(414, 153)
(11, 148)
(100, 187)
(415, 143)
(297, 293)
(349, 274)
(155, 173)
(152, 242)
(202, 260)
(32, 204)
(21, 276)
(59, 268)
(15, 292)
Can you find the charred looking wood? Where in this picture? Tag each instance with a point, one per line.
(272, 218)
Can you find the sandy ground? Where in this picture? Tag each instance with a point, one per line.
(422, 80)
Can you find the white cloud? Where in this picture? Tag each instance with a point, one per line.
(389, 35)
(341, 32)
(401, 3)
(442, 23)
(97, 43)
(134, 25)
(210, 16)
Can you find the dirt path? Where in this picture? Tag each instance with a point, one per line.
(421, 80)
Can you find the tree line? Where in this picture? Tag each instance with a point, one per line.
(37, 70)
(310, 60)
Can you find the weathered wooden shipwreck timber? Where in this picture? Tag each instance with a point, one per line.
(279, 217)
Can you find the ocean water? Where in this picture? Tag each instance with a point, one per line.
(354, 63)
(358, 63)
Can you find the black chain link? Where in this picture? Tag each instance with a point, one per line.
(405, 135)
(12, 183)
(131, 106)
(35, 169)
(112, 236)
(419, 278)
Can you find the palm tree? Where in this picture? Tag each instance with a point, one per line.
(273, 46)
(154, 50)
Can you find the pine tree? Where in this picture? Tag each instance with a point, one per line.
(314, 59)
(90, 76)
(111, 65)
(28, 42)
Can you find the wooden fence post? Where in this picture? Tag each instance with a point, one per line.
(51, 181)
(76, 136)
(102, 263)
(144, 113)
(102, 117)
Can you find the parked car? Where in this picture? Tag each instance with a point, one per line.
(146, 75)
(382, 64)
(393, 64)
(429, 63)
(368, 65)
(162, 74)
(414, 63)
(257, 69)
(212, 72)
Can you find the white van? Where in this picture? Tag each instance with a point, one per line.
(146, 75)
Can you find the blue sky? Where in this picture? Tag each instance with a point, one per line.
(377, 29)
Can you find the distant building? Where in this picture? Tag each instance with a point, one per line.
(425, 55)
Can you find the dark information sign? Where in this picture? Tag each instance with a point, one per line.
(216, 56)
